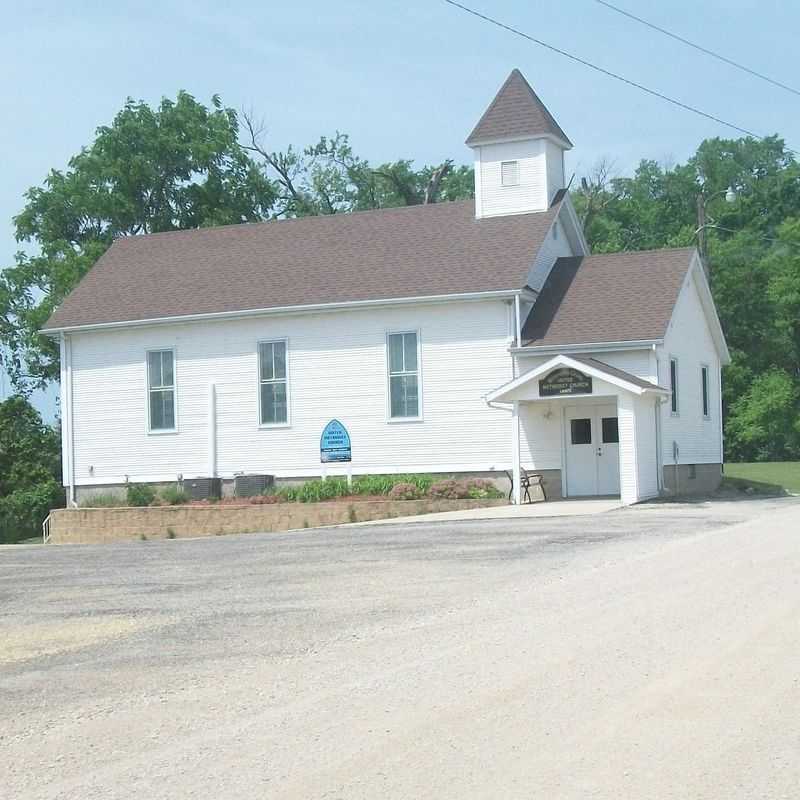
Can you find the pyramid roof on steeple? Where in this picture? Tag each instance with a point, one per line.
(516, 113)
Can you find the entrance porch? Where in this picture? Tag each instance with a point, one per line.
(589, 428)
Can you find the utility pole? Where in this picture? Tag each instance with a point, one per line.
(702, 242)
(703, 224)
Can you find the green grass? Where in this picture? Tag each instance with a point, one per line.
(778, 473)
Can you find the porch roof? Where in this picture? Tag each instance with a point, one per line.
(585, 364)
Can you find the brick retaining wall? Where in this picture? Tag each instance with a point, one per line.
(92, 525)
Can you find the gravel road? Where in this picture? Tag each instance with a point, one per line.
(651, 652)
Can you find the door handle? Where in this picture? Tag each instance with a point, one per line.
(599, 451)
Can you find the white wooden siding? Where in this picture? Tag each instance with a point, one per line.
(337, 369)
(555, 169)
(689, 340)
(638, 362)
(529, 195)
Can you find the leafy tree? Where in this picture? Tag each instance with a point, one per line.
(30, 470)
(754, 252)
(764, 422)
(328, 178)
(177, 166)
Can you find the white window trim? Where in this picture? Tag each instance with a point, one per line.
(161, 431)
(676, 391)
(403, 420)
(270, 425)
(705, 370)
(509, 185)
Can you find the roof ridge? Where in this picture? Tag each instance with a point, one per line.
(230, 225)
(687, 249)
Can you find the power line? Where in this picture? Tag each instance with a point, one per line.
(769, 239)
(610, 74)
(699, 47)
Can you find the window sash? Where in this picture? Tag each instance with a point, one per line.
(404, 394)
(161, 390)
(273, 394)
(673, 381)
(704, 388)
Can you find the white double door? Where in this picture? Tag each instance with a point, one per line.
(592, 450)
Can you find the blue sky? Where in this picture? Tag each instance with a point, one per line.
(403, 79)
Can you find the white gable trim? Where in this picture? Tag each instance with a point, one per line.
(584, 347)
(502, 294)
(712, 318)
(697, 274)
(562, 143)
(501, 395)
(572, 215)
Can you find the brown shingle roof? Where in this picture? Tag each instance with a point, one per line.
(619, 373)
(414, 251)
(516, 112)
(616, 297)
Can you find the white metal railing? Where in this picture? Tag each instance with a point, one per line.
(46, 530)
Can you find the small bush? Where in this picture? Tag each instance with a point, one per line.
(174, 496)
(405, 491)
(102, 500)
(467, 488)
(265, 499)
(140, 494)
(480, 489)
(383, 484)
(170, 533)
(283, 494)
(315, 491)
(447, 489)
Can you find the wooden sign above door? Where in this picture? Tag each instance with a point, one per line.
(565, 381)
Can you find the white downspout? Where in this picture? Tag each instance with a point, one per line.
(67, 436)
(518, 321)
(212, 430)
(516, 454)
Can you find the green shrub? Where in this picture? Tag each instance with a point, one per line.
(480, 489)
(102, 500)
(284, 494)
(170, 533)
(315, 491)
(472, 488)
(140, 494)
(383, 484)
(404, 491)
(174, 496)
(22, 511)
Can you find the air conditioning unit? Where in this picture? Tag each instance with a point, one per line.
(203, 488)
(251, 485)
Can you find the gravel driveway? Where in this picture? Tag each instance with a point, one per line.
(651, 652)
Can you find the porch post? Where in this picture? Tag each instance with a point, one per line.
(516, 464)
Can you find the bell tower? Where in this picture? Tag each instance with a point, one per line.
(519, 153)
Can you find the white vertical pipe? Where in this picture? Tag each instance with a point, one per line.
(518, 320)
(212, 430)
(516, 452)
(68, 435)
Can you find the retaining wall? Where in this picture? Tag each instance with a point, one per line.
(92, 525)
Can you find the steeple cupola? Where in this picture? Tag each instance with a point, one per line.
(519, 152)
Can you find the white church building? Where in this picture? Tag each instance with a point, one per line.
(475, 337)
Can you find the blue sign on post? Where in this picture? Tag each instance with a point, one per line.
(334, 445)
